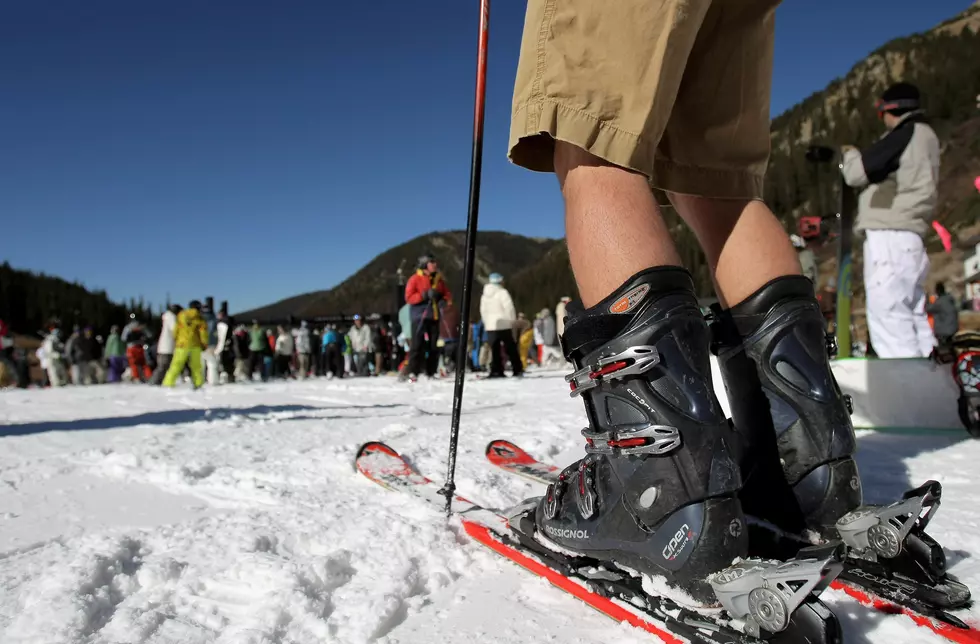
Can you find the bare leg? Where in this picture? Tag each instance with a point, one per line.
(745, 244)
(612, 223)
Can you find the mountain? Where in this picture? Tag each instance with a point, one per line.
(942, 62)
(30, 301)
(374, 288)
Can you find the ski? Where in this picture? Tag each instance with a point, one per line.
(620, 596)
(868, 583)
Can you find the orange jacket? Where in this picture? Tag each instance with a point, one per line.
(417, 287)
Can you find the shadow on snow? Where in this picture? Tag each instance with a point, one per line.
(178, 417)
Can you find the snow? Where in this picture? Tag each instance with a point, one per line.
(233, 515)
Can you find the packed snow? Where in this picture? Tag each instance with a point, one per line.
(233, 514)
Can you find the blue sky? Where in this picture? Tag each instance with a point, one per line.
(253, 150)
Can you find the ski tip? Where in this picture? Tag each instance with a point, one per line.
(501, 452)
(503, 448)
(374, 447)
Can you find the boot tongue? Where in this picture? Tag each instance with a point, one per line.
(750, 312)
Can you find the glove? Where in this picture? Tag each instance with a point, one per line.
(434, 295)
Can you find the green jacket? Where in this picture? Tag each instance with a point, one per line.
(256, 340)
(114, 347)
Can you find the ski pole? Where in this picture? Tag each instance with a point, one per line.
(449, 488)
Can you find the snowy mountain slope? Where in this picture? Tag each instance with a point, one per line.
(132, 514)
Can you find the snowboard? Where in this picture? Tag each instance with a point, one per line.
(514, 459)
(846, 212)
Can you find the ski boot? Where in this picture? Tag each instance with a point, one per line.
(657, 492)
(796, 443)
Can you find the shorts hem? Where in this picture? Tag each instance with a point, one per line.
(538, 123)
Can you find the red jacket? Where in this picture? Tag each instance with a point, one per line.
(416, 288)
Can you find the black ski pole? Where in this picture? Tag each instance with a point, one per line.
(449, 489)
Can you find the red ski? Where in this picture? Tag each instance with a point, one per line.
(620, 599)
(512, 458)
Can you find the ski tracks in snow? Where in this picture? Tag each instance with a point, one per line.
(234, 515)
(284, 543)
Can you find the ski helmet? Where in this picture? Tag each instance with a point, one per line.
(195, 304)
(425, 258)
(496, 278)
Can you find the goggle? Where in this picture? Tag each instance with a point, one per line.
(883, 106)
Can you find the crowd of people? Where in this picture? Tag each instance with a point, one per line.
(201, 345)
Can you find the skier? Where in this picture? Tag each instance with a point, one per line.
(190, 339)
(86, 358)
(226, 345)
(379, 343)
(74, 370)
(209, 355)
(134, 335)
(666, 481)
(898, 176)
(361, 346)
(423, 291)
(304, 349)
(332, 360)
(54, 357)
(498, 315)
(549, 339)
(477, 330)
(538, 337)
(560, 315)
(115, 354)
(165, 345)
(241, 353)
(945, 314)
(347, 350)
(283, 348)
(524, 337)
(6, 355)
(257, 349)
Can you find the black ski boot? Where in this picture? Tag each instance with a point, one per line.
(796, 439)
(797, 444)
(657, 492)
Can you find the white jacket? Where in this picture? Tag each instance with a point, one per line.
(165, 345)
(284, 344)
(301, 336)
(497, 308)
(360, 339)
(898, 177)
(222, 336)
(560, 318)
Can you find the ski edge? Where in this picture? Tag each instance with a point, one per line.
(485, 536)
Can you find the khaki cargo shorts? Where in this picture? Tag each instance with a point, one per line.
(675, 89)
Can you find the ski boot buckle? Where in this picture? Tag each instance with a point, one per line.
(631, 362)
(652, 439)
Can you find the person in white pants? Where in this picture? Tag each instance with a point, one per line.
(895, 269)
(898, 177)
